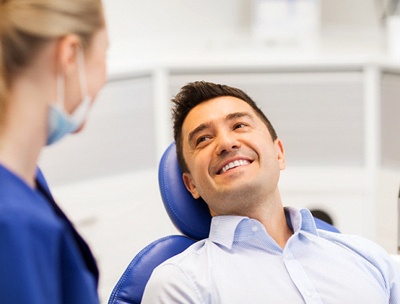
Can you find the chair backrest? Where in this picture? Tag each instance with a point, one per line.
(130, 287)
(190, 216)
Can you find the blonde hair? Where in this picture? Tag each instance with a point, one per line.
(26, 25)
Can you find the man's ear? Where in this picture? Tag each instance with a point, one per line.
(188, 181)
(280, 153)
(67, 49)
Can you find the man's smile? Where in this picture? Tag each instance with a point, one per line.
(234, 164)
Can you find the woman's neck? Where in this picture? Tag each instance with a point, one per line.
(24, 131)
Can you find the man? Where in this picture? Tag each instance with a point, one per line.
(257, 251)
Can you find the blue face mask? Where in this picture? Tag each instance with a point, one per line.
(60, 123)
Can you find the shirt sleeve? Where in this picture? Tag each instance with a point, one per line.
(169, 284)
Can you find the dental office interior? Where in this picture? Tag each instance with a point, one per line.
(326, 73)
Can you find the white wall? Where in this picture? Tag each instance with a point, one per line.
(160, 20)
(140, 23)
(146, 28)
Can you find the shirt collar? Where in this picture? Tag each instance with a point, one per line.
(300, 219)
(223, 229)
(227, 228)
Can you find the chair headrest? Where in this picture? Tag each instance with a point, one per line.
(190, 216)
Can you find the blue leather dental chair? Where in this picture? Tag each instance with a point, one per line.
(191, 217)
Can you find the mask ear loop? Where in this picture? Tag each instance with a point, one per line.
(80, 113)
(60, 90)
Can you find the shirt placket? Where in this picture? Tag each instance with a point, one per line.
(300, 278)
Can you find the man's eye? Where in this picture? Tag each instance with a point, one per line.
(202, 139)
(239, 125)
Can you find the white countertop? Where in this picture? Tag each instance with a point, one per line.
(187, 53)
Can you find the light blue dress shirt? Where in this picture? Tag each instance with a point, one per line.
(241, 263)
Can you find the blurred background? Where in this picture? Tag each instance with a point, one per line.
(326, 73)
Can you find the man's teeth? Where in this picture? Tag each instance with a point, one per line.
(234, 164)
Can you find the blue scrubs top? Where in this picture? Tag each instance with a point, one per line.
(42, 257)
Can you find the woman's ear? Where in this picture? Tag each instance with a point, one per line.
(66, 56)
(188, 181)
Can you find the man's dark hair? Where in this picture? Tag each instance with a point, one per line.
(195, 93)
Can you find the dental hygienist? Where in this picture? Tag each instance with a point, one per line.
(52, 64)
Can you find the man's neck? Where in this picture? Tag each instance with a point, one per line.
(274, 220)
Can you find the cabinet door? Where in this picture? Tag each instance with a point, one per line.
(387, 212)
(319, 116)
(390, 120)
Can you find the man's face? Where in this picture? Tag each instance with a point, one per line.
(232, 160)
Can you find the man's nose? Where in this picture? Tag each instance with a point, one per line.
(226, 142)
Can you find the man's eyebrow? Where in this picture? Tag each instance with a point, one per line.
(197, 130)
(235, 115)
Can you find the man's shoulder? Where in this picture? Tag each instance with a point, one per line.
(361, 246)
(191, 258)
(190, 255)
(355, 242)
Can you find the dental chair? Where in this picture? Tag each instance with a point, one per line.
(190, 216)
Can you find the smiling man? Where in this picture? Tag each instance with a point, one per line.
(257, 251)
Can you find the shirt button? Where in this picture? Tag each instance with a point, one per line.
(254, 228)
(309, 294)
